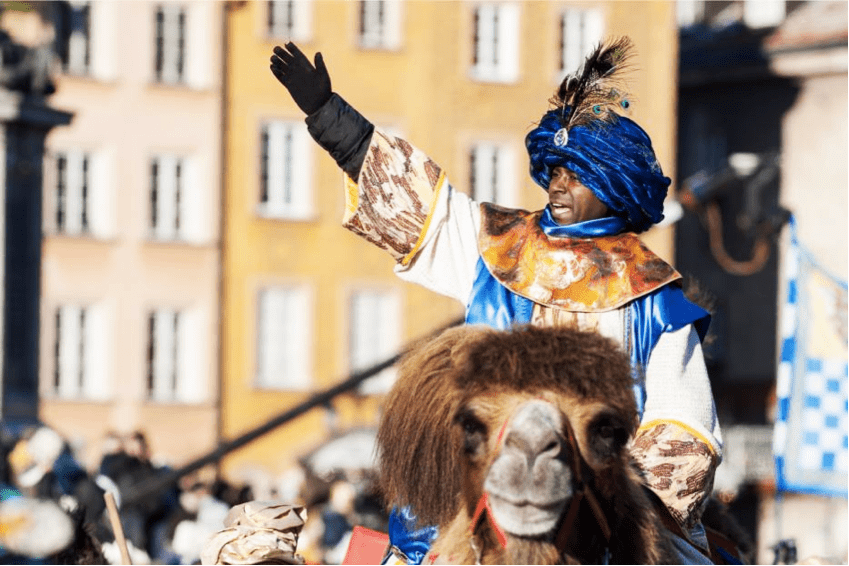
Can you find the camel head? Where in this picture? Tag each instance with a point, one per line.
(516, 445)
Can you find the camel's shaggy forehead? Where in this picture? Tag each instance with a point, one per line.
(572, 365)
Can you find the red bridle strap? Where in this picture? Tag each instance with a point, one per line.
(483, 505)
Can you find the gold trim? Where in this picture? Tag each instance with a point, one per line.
(352, 196)
(689, 429)
(409, 257)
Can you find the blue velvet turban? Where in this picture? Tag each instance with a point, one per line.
(615, 160)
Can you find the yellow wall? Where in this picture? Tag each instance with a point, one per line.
(423, 91)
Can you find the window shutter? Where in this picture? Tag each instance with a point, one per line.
(593, 31)
(163, 355)
(73, 191)
(192, 374)
(101, 194)
(297, 330)
(271, 315)
(97, 339)
(104, 40)
(505, 193)
(194, 204)
(375, 330)
(483, 157)
(69, 351)
(485, 57)
(303, 12)
(392, 23)
(276, 167)
(572, 42)
(199, 17)
(301, 174)
(508, 42)
(166, 194)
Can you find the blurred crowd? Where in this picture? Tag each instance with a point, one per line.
(53, 510)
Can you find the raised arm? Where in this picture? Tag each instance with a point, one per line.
(339, 129)
(397, 198)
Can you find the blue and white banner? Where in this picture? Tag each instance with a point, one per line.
(810, 442)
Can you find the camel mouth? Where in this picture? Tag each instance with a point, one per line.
(525, 518)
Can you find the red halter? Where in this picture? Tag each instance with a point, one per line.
(582, 491)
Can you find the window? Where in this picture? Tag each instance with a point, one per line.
(73, 192)
(285, 178)
(763, 13)
(284, 344)
(170, 44)
(491, 174)
(374, 336)
(689, 12)
(290, 19)
(73, 37)
(173, 365)
(80, 353)
(580, 33)
(167, 180)
(78, 193)
(380, 24)
(496, 42)
(176, 200)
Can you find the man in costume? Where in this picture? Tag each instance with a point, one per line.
(577, 262)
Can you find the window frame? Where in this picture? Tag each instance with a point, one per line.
(388, 35)
(165, 53)
(80, 371)
(503, 173)
(591, 25)
(279, 197)
(495, 48)
(157, 207)
(299, 26)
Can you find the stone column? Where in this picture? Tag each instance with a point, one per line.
(25, 120)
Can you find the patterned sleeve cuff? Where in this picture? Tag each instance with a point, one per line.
(390, 206)
(679, 466)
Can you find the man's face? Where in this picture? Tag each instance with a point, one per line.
(571, 202)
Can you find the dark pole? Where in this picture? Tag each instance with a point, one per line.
(155, 485)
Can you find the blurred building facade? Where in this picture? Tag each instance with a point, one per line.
(196, 280)
(762, 87)
(305, 302)
(130, 272)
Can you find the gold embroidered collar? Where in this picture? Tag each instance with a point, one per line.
(575, 274)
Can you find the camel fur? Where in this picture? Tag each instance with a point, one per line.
(460, 418)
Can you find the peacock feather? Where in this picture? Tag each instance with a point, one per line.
(597, 90)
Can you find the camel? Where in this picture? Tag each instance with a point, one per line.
(516, 445)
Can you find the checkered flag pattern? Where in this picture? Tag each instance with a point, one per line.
(810, 440)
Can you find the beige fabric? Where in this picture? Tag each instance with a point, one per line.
(389, 207)
(679, 465)
(257, 531)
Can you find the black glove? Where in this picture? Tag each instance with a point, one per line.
(309, 85)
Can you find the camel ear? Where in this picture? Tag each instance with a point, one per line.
(420, 450)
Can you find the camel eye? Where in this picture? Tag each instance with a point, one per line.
(474, 431)
(607, 435)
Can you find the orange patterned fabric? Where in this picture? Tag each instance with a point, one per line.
(575, 274)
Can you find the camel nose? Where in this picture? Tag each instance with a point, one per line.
(535, 431)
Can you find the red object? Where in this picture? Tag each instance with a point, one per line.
(366, 547)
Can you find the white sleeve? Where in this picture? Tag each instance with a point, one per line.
(678, 388)
(446, 258)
